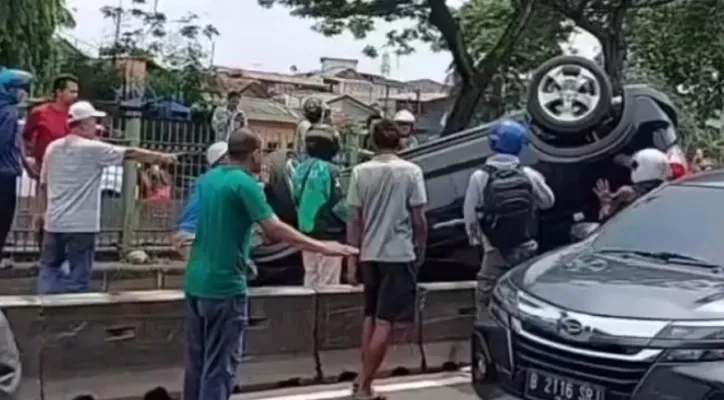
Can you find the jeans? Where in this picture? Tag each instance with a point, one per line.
(214, 332)
(66, 261)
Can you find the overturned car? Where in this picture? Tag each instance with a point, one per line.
(581, 132)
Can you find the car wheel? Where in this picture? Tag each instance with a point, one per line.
(569, 94)
(605, 138)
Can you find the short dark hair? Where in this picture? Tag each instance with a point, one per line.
(386, 135)
(323, 148)
(61, 82)
(243, 142)
(233, 95)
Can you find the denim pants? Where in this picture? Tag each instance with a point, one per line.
(493, 266)
(214, 331)
(66, 261)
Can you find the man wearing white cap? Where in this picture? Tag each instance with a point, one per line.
(406, 123)
(184, 237)
(70, 184)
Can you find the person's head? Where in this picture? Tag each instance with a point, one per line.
(216, 154)
(314, 109)
(65, 89)
(83, 119)
(232, 100)
(386, 135)
(649, 165)
(322, 143)
(245, 150)
(405, 120)
(509, 137)
(14, 84)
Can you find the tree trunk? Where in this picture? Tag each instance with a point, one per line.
(470, 92)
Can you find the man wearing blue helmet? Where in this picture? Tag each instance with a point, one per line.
(501, 207)
(13, 83)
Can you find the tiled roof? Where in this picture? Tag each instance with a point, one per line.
(272, 76)
(412, 96)
(259, 109)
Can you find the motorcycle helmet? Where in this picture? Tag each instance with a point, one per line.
(404, 117)
(14, 82)
(509, 137)
(649, 165)
(313, 109)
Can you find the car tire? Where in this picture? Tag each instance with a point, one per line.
(623, 127)
(541, 113)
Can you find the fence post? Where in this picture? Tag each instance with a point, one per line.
(132, 136)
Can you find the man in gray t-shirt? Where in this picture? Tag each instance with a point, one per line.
(387, 223)
(70, 186)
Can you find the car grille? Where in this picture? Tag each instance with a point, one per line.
(619, 377)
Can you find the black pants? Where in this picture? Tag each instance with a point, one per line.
(8, 200)
(390, 291)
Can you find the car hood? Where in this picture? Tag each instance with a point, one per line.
(578, 279)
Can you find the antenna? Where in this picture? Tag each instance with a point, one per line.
(385, 66)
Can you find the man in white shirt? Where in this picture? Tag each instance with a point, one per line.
(228, 119)
(70, 201)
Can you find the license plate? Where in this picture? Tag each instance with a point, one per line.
(544, 386)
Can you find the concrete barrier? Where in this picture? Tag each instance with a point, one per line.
(107, 277)
(112, 343)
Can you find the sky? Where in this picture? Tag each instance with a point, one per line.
(253, 37)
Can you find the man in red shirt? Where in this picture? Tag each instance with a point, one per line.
(47, 123)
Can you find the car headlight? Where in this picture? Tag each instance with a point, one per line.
(504, 301)
(704, 332)
(506, 294)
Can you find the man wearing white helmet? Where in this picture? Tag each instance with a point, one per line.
(406, 123)
(184, 237)
(650, 168)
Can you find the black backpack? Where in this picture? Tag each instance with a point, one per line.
(509, 214)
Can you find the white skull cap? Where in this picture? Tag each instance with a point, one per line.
(216, 152)
(405, 117)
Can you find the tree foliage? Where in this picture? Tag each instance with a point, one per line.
(483, 22)
(431, 21)
(26, 36)
(607, 21)
(683, 42)
(176, 46)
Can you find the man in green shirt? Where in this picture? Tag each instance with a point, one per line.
(231, 202)
(321, 210)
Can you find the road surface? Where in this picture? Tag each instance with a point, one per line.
(443, 386)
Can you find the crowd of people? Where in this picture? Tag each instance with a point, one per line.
(381, 217)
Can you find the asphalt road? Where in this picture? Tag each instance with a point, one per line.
(444, 386)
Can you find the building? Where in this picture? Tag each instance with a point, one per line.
(343, 78)
(274, 84)
(272, 119)
(427, 86)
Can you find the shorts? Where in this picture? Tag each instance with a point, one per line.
(390, 291)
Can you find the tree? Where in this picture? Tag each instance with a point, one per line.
(483, 22)
(606, 20)
(682, 42)
(433, 22)
(26, 36)
(176, 46)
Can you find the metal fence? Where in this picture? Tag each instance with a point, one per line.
(153, 217)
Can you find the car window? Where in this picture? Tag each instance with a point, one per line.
(681, 219)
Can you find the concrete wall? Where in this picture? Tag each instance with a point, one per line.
(118, 345)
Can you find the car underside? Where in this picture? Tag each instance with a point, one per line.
(581, 132)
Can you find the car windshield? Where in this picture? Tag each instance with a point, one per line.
(678, 223)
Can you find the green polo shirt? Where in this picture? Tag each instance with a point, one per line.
(231, 202)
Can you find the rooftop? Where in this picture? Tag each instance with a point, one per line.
(259, 109)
